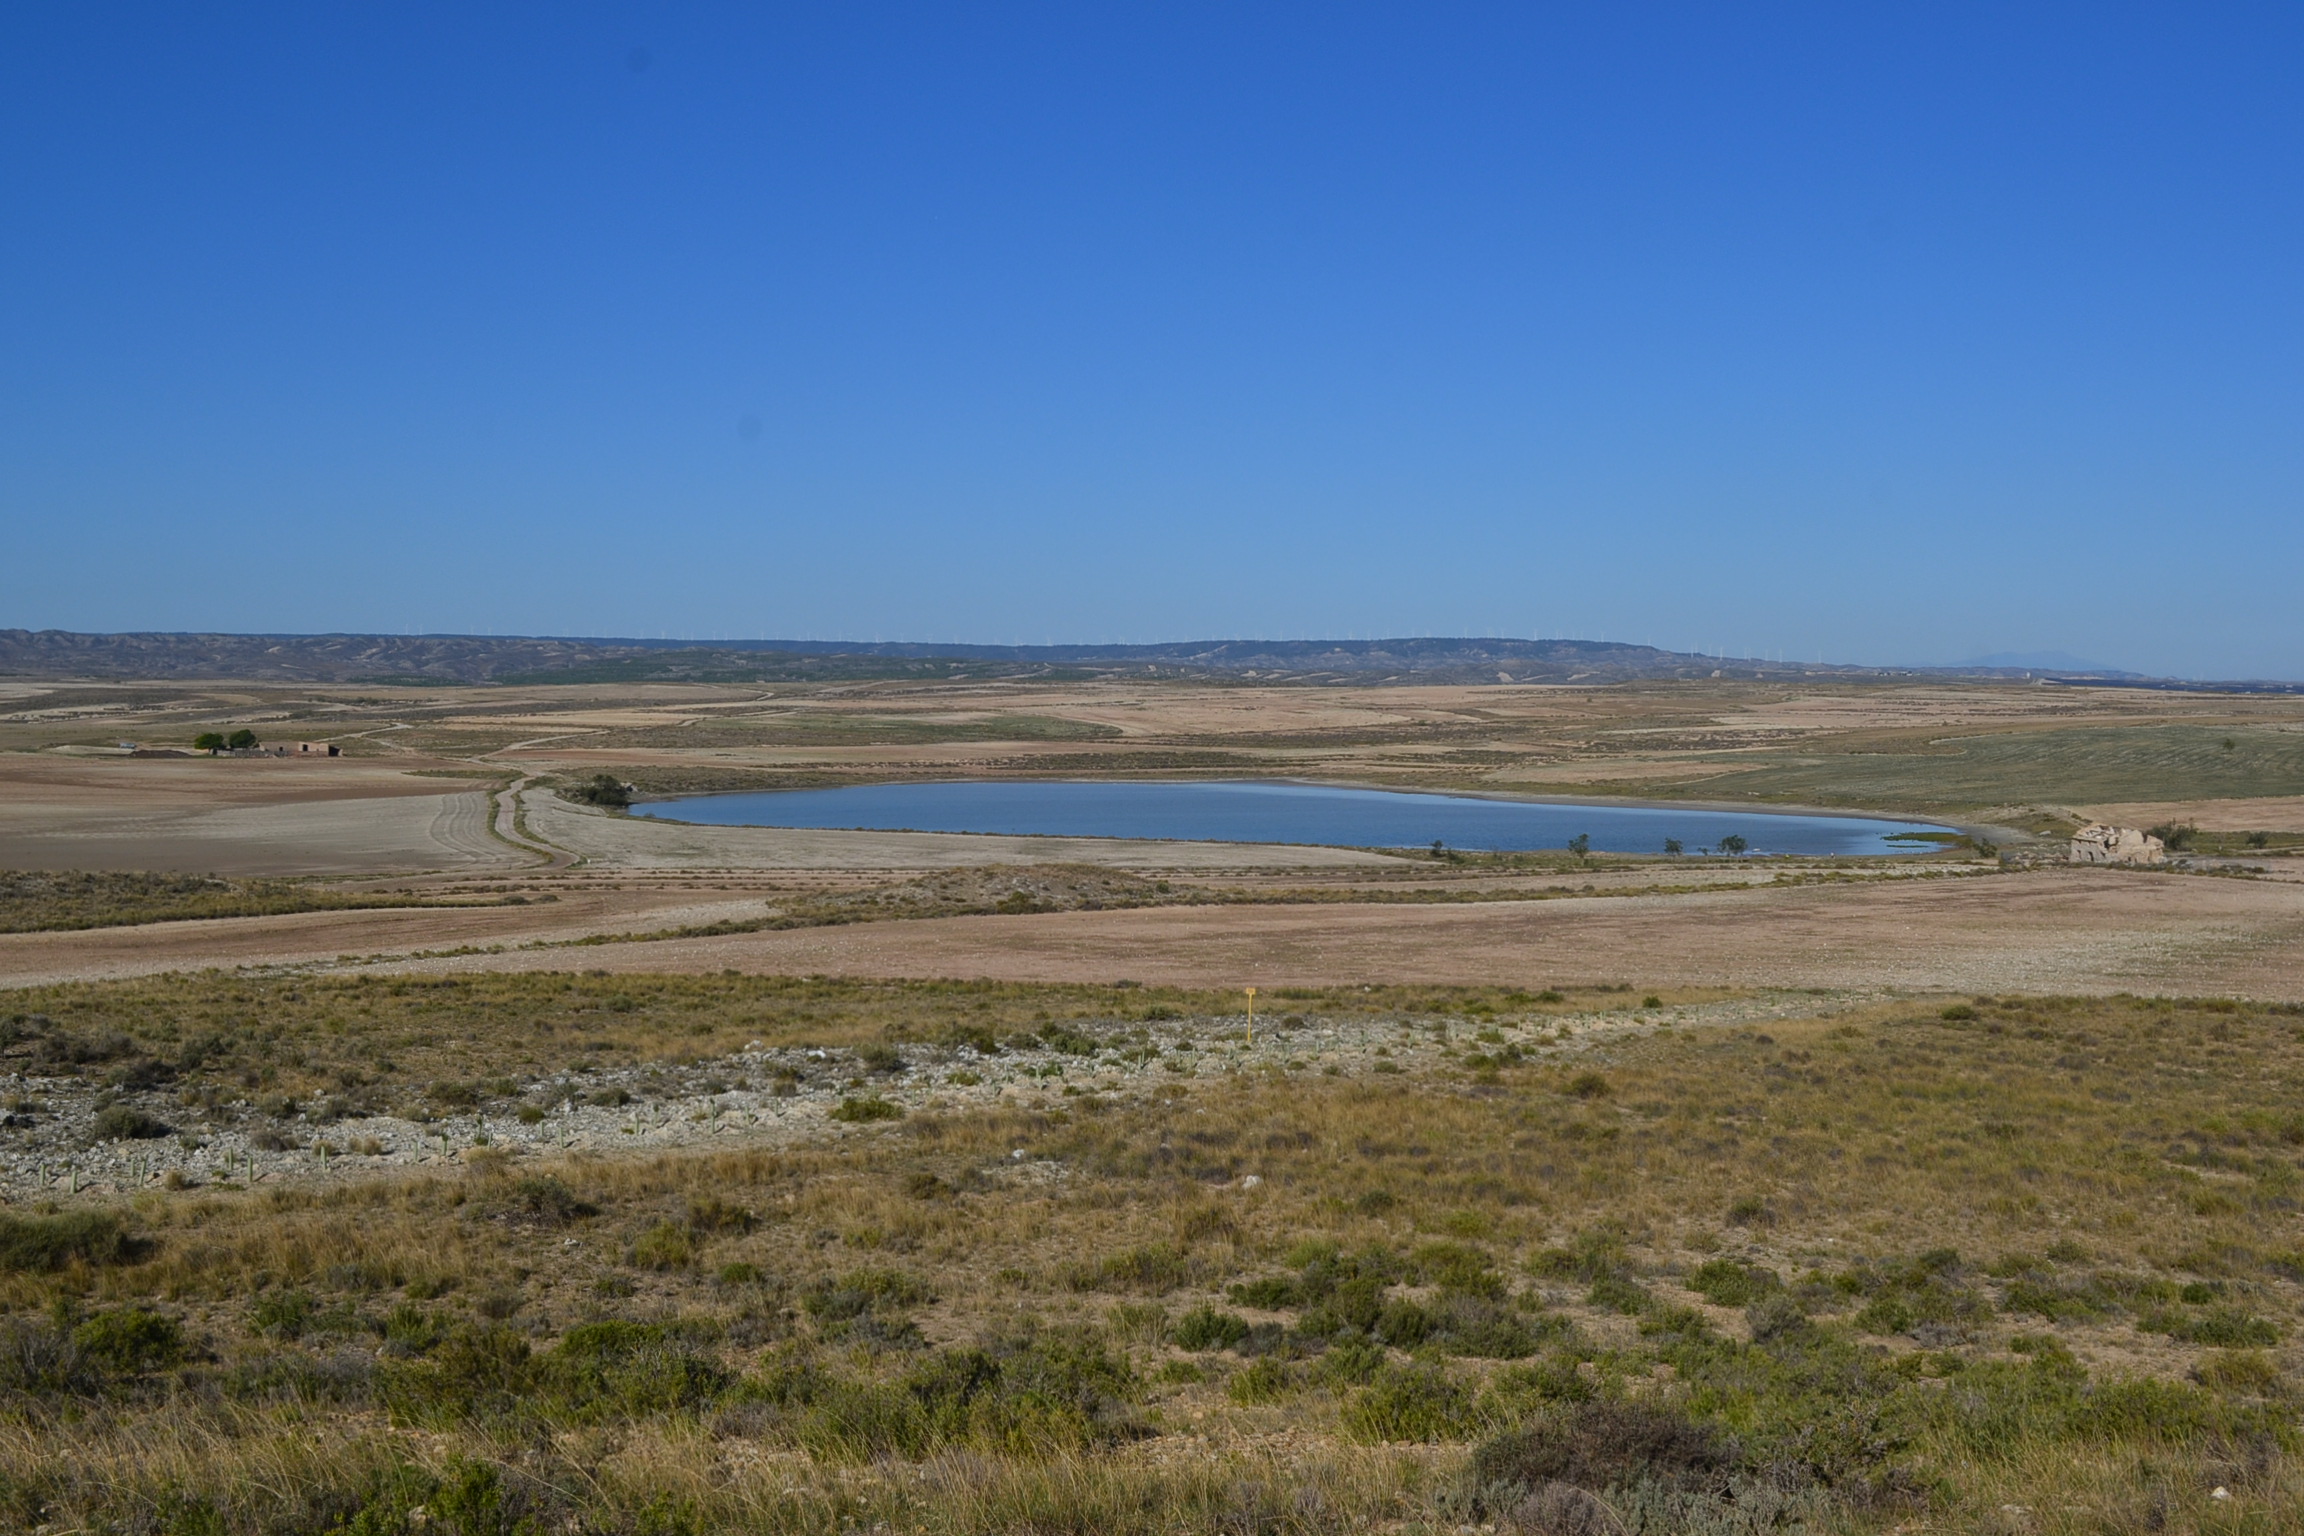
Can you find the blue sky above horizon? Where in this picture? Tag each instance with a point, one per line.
(1848, 333)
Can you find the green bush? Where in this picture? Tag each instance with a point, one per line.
(606, 1371)
(664, 1246)
(1269, 1294)
(602, 789)
(1206, 1327)
(282, 1314)
(1026, 1395)
(1352, 1364)
(1458, 1267)
(1417, 1402)
(120, 1122)
(473, 1374)
(467, 1499)
(1726, 1283)
(130, 1340)
(2224, 1327)
(37, 1244)
(1618, 1294)
(865, 1110)
(866, 1307)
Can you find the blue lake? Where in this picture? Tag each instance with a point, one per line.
(1241, 812)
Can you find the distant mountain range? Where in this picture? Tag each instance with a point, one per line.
(470, 659)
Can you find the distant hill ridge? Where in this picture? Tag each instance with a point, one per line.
(566, 659)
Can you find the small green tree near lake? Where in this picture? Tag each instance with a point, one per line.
(602, 789)
(1581, 846)
(1672, 846)
(1733, 844)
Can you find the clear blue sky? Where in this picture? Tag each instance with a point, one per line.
(1863, 332)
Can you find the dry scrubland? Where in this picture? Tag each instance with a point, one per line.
(1986, 1264)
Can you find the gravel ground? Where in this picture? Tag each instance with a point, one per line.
(50, 1142)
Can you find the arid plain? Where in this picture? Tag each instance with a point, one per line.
(399, 1141)
(450, 794)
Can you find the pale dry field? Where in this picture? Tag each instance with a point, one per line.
(2073, 932)
(239, 817)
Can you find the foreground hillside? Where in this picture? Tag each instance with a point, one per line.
(1570, 1262)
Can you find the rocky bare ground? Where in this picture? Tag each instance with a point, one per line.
(64, 1136)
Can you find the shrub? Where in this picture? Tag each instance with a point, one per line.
(1775, 1317)
(42, 1361)
(282, 1314)
(863, 1111)
(1024, 1394)
(2244, 1371)
(471, 1374)
(1352, 1364)
(710, 1216)
(1270, 1293)
(1619, 1294)
(621, 1370)
(664, 1246)
(1458, 1267)
(2177, 835)
(1471, 1325)
(130, 1340)
(602, 789)
(121, 1122)
(1588, 1085)
(1208, 1328)
(1726, 1283)
(550, 1201)
(1404, 1325)
(1598, 1445)
(38, 1244)
(861, 1291)
(2225, 1327)
(879, 1058)
(1418, 1402)
(866, 1307)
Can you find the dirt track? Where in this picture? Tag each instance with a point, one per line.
(2053, 931)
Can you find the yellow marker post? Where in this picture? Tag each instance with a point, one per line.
(1251, 1015)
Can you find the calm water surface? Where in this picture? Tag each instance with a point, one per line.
(1281, 813)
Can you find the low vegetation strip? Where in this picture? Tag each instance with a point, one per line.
(1902, 1267)
(39, 901)
(1008, 891)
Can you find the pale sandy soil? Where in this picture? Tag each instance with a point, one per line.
(239, 817)
(2049, 931)
(621, 842)
(322, 938)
